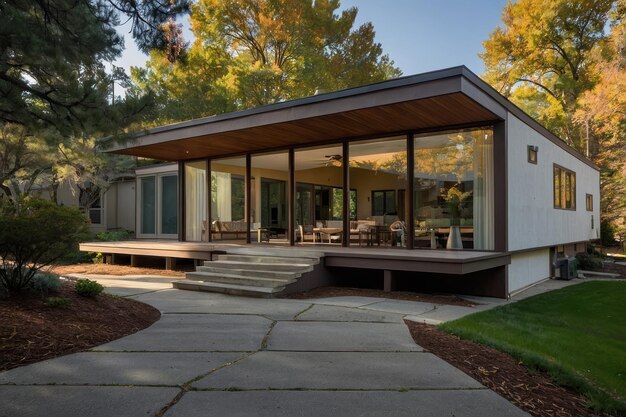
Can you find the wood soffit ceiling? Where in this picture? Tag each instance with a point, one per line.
(434, 112)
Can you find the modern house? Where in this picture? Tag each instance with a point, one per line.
(432, 179)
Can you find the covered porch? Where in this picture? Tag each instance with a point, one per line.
(408, 163)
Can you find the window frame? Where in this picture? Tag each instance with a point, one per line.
(566, 188)
(385, 211)
(589, 202)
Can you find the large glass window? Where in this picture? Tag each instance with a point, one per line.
(196, 200)
(169, 204)
(319, 194)
(564, 188)
(453, 190)
(148, 205)
(378, 172)
(270, 205)
(228, 199)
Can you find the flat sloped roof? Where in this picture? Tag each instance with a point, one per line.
(448, 98)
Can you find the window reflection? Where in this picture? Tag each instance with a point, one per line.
(453, 190)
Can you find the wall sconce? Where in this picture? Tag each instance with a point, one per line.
(532, 154)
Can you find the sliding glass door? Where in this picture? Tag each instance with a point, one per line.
(157, 205)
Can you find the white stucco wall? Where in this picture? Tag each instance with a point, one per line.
(532, 219)
(526, 268)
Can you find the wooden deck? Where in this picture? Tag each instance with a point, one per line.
(396, 259)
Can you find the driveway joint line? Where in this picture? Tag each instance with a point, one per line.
(185, 387)
(265, 339)
(295, 318)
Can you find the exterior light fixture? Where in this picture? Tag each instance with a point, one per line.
(532, 154)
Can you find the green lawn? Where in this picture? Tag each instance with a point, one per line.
(577, 334)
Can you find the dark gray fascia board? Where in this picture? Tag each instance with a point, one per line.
(369, 88)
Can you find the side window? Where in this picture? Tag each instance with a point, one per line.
(564, 182)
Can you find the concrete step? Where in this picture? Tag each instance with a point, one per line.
(268, 259)
(237, 279)
(257, 273)
(282, 252)
(243, 290)
(260, 266)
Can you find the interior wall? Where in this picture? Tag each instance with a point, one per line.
(366, 181)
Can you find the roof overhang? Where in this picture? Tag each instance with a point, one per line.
(448, 98)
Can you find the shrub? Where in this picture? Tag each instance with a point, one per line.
(76, 257)
(35, 233)
(607, 233)
(58, 302)
(114, 235)
(589, 262)
(98, 258)
(88, 288)
(45, 282)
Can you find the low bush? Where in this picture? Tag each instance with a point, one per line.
(114, 235)
(589, 262)
(88, 288)
(58, 302)
(76, 257)
(45, 282)
(35, 233)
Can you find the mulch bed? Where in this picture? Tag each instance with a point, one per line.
(533, 392)
(324, 292)
(108, 269)
(30, 331)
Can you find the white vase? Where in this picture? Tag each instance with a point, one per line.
(454, 238)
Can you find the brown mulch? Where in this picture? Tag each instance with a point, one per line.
(324, 292)
(533, 392)
(108, 269)
(30, 331)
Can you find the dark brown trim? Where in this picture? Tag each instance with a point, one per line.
(409, 198)
(182, 205)
(248, 195)
(291, 195)
(209, 187)
(345, 212)
(500, 197)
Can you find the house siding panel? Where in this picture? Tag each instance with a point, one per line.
(533, 221)
(526, 268)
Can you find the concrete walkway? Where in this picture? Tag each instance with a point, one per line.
(218, 355)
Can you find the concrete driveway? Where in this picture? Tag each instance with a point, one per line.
(217, 355)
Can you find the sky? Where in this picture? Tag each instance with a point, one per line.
(418, 35)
